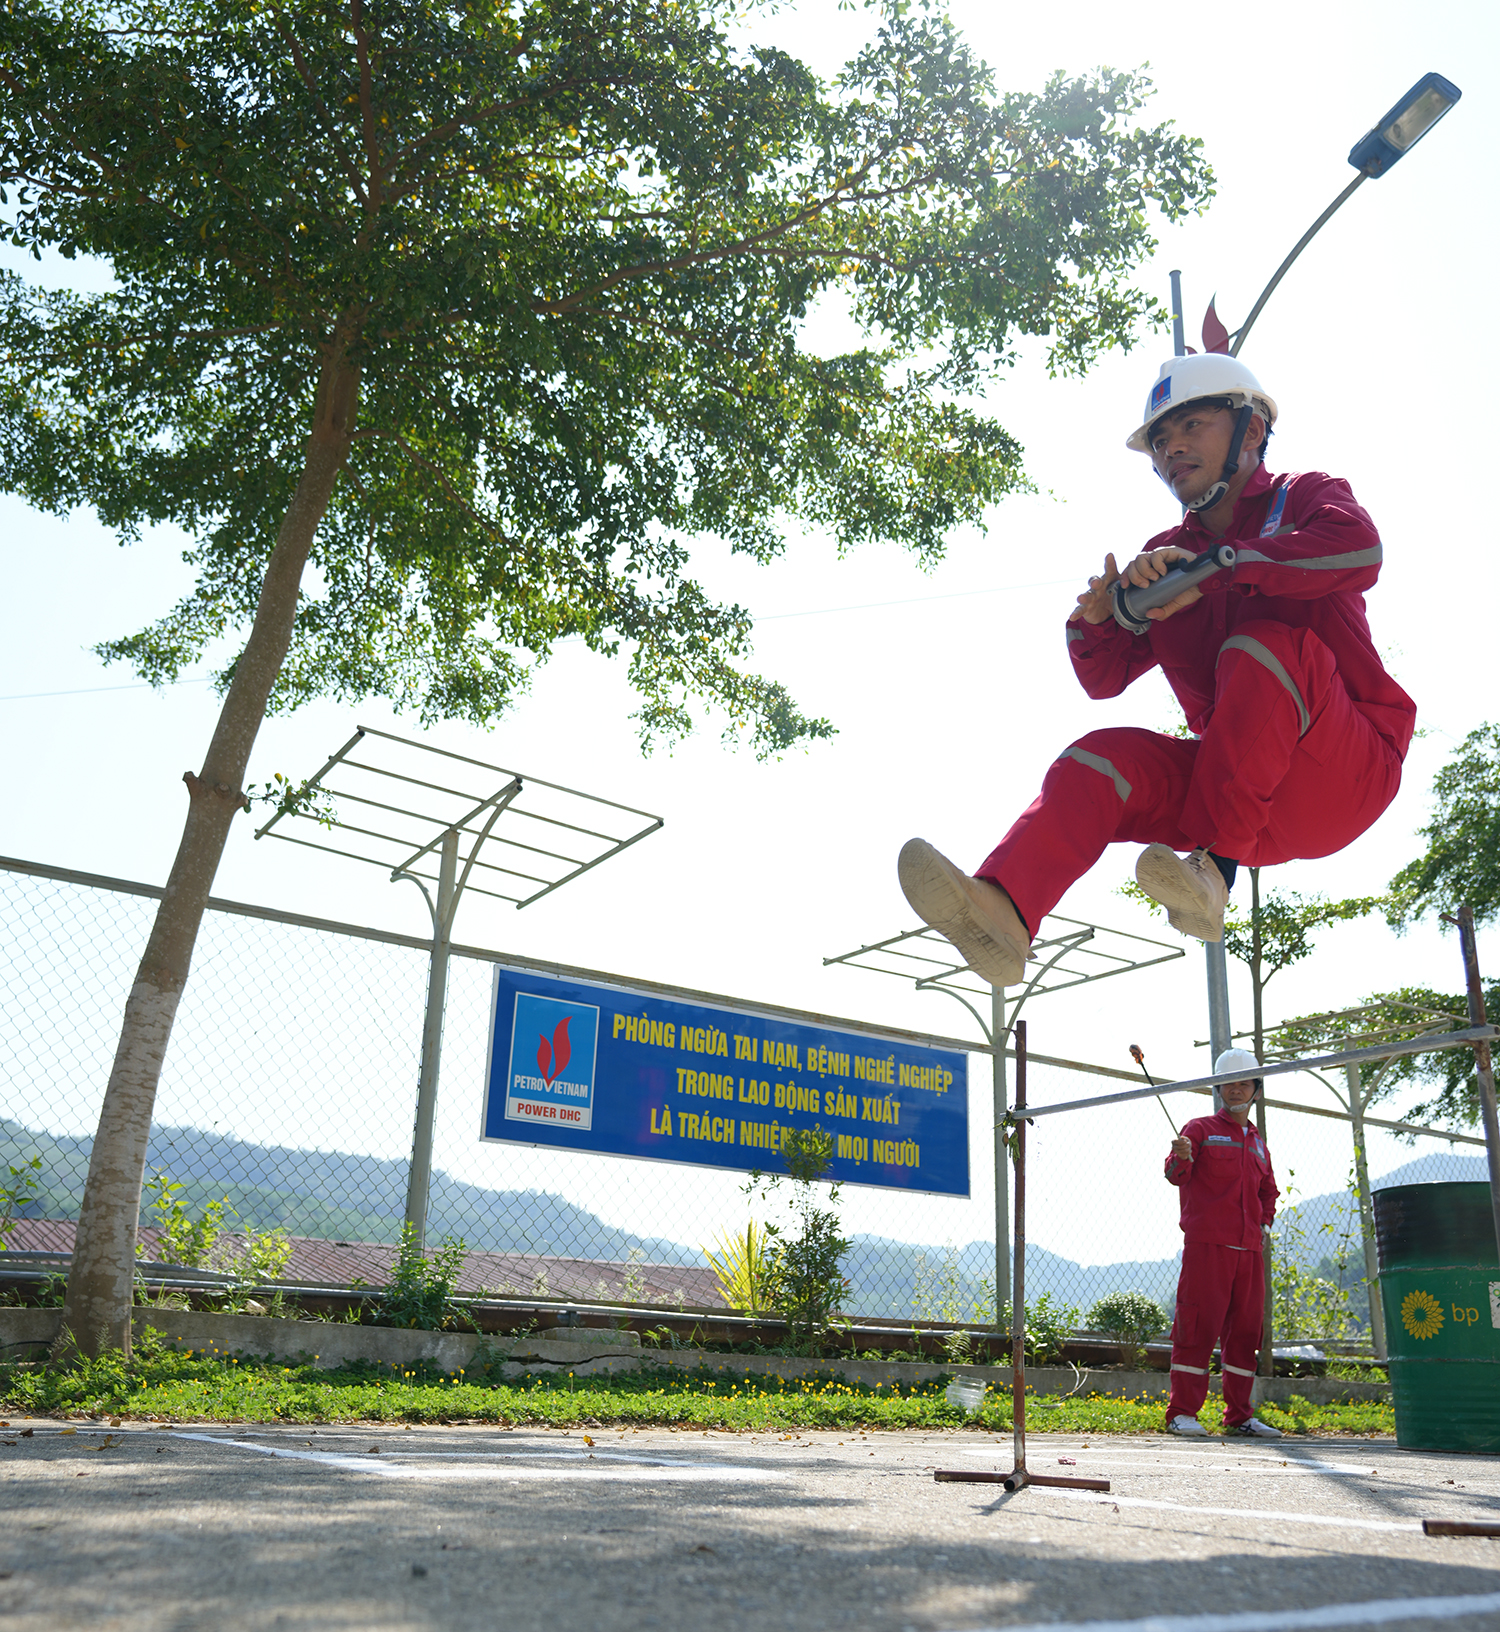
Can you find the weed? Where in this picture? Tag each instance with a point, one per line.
(169, 1384)
(744, 1266)
(422, 1285)
(22, 1187)
(805, 1282)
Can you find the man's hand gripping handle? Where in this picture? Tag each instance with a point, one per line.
(1132, 602)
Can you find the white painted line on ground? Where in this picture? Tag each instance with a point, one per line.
(1250, 1464)
(1388, 1525)
(385, 1466)
(1377, 1612)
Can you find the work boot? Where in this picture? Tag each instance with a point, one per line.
(1191, 888)
(1253, 1428)
(976, 915)
(1187, 1427)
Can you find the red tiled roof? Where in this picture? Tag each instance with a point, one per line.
(507, 1274)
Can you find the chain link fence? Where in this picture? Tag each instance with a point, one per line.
(290, 1089)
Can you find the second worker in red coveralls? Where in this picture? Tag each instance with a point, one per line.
(1300, 731)
(1222, 1169)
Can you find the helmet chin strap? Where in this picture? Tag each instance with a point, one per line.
(1231, 464)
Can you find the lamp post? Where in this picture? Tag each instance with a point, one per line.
(1397, 132)
(1383, 145)
(1394, 135)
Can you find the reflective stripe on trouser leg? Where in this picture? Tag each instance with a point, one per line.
(1239, 1344)
(1283, 750)
(1262, 655)
(1097, 762)
(1204, 1288)
(1120, 783)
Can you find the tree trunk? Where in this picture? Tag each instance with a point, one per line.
(96, 1313)
(1366, 1208)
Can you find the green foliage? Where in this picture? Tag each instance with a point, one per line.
(183, 1240)
(940, 1292)
(1276, 933)
(1393, 1016)
(1129, 1318)
(1461, 865)
(743, 1266)
(420, 1293)
(287, 798)
(204, 1242)
(1279, 932)
(804, 1281)
(21, 1187)
(1050, 1325)
(164, 1384)
(1313, 1301)
(539, 277)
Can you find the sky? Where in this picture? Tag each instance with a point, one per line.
(950, 689)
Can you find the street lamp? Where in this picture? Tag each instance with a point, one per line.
(1372, 155)
(1405, 125)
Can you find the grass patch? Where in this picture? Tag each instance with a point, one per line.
(178, 1386)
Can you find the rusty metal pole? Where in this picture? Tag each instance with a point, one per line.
(1018, 1477)
(1483, 1065)
(1018, 1272)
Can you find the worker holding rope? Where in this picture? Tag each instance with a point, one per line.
(1227, 1193)
(1300, 731)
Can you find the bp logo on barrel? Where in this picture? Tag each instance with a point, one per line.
(1421, 1315)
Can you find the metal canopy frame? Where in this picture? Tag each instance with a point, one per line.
(453, 821)
(1066, 950)
(1069, 953)
(462, 809)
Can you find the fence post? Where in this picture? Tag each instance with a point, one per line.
(1000, 1105)
(1483, 1068)
(420, 1176)
(1366, 1209)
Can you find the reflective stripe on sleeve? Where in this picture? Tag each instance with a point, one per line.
(1074, 634)
(1318, 563)
(1268, 659)
(1097, 762)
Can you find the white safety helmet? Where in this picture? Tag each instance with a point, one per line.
(1186, 379)
(1241, 1060)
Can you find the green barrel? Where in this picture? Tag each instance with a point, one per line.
(1440, 1289)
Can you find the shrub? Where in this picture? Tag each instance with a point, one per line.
(1129, 1318)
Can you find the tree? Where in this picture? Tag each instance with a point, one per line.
(1384, 1018)
(1452, 1072)
(1462, 863)
(482, 313)
(1277, 932)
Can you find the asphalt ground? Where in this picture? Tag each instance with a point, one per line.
(148, 1526)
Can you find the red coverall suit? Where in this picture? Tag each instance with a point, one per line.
(1227, 1192)
(1302, 732)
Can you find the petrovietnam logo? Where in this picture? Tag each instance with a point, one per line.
(553, 1055)
(550, 1080)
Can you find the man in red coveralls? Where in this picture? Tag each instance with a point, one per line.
(1300, 731)
(1222, 1170)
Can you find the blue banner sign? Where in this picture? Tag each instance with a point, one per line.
(622, 1073)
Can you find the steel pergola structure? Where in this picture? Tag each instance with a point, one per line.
(1068, 952)
(542, 835)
